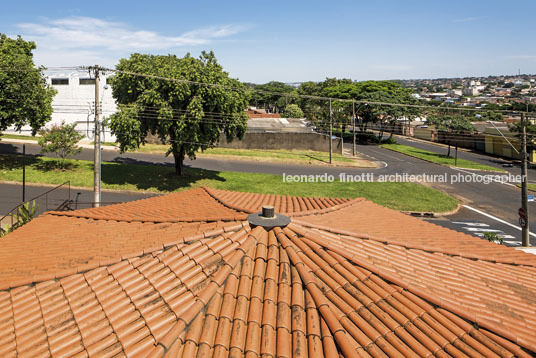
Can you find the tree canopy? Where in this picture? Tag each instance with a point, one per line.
(267, 96)
(189, 117)
(452, 123)
(25, 97)
(373, 91)
(293, 111)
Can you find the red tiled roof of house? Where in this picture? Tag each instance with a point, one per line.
(206, 287)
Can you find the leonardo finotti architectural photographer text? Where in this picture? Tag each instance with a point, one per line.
(404, 177)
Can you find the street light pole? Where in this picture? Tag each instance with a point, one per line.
(524, 187)
(330, 133)
(353, 130)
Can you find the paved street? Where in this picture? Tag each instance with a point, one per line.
(11, 196)
(494, 199)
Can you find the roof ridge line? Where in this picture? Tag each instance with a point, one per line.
(203, 298)
(148, 220)
(319, 299)
(293, 214)
(402, 244)
(213, 195)
(423, 293)
(327, 210)
(108, 262)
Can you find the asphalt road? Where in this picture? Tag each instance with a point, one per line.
(11, 196)
(496, 199)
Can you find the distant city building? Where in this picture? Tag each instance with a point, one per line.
(471, 91)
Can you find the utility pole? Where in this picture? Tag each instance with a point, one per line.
(330, 133)
(353, 129)
(97, 146)
(342, 140)
(524, 190)
(23, 173)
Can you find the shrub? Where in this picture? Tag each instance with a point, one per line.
(25, 214)
(493, 237)
(60, 140)
(293, 111)
(390, 140)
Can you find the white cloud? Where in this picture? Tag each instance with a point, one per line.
(82, 39)
(469, 19)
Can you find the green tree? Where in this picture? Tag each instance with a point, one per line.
(492, 116)
(452, 124)
(61, 140)
(317, 110)
(267, 96)
(25, 97)
(189, 117)
(375, 91)
(293, 111)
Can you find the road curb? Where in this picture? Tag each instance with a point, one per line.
(444, 165)
(429, 214)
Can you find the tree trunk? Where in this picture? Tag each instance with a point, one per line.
(179, 160)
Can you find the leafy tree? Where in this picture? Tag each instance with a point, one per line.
(492, 116)
(60, 140)
(293, 111)
(375, 91)
(266, 94)
(452, 124)
(189, 117)
(25, 97)
(313, 109)
(317, 110)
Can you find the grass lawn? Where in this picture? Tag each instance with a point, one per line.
(17, 136)
(529, 186)
(303, 156)
(160, 178)
(438, 158)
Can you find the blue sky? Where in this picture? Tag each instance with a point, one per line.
(289, 41)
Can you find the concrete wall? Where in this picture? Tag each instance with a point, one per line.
(469, 141)
(424, 133)
(298, 141)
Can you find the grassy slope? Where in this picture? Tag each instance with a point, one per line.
(438, 158)
(17, 136)
(400, 196)
(290, 155)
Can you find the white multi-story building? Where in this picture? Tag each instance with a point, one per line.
(75, 102)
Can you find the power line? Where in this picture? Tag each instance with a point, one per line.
(323, 98)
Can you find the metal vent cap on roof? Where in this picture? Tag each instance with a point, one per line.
(268, 219)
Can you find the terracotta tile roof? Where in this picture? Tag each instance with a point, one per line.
(290, 205)
(174, 207)
(366, 219)
(56, 246)
(299, 291)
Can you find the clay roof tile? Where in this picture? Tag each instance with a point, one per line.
(185, 275)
